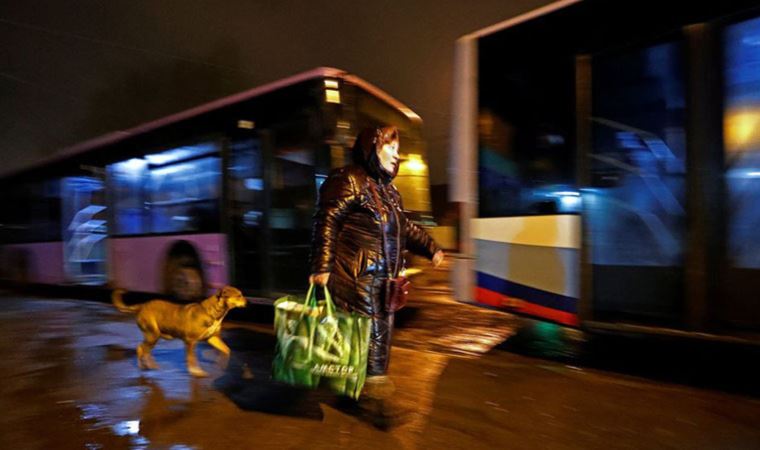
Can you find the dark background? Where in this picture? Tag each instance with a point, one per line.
(74, 70)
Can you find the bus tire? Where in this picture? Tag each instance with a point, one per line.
(184, 280)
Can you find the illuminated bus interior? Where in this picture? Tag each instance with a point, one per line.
(618, 168)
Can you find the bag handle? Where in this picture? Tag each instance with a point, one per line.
(311, 301)
(308, 304)
(329, 304)
(311, 296)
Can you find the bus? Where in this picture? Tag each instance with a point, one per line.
(607, 161)
(219, 194)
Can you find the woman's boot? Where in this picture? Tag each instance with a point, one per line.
(377, 403)
(378, 387)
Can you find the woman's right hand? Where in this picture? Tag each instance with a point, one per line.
(320, 279)
(438, 258)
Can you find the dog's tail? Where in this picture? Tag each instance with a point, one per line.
(119, 303)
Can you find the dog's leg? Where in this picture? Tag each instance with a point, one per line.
(217, 342)
(144, 357)
(192, 362)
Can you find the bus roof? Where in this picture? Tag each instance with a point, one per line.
(521, 18)
(117, 136)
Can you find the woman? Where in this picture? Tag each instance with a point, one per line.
(353, 256)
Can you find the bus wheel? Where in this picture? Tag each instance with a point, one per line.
(185, 281)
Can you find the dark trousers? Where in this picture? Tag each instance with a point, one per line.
(380, 344)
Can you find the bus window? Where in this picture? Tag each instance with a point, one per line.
(526, 130)
(742, 142)
(636, 205)
(126, 180)
(84, 229)
(413, 182)
(168, 192)
(39, 220)
(741, 119)
(184, 197)
(637, 214)
(372, 111)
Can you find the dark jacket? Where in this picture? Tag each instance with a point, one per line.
(348, 241)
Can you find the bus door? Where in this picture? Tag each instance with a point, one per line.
(84, 225)
(246, 205)
(272, 190)
(292, 181)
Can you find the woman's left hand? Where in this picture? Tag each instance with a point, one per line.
(438, 258)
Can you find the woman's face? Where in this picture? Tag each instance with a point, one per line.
(388, 156)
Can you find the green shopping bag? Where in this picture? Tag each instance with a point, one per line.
(319, 345)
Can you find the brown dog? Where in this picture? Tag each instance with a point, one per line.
(192, 323)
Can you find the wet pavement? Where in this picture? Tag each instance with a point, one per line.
(69, 379)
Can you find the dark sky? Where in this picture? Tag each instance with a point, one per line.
(71, 70)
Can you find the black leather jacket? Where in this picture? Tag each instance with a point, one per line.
(348, 240)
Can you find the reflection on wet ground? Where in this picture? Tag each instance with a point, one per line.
(434, 322)
(466, 377)
(69, 380)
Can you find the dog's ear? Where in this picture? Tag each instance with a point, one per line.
(219, 293)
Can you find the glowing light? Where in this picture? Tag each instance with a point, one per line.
(163, 158)
(131, 169)
(254, 184)
(252, 218)
(567, 194)
(569, 203)
(743, 173)
(163, 171)
(180, 153)
(331, 84)
(741, 128)
(332, 96)
(133, 166)
(752, 41)
(246, 124)
(319, 179)
(415, 164)
(127, 428)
